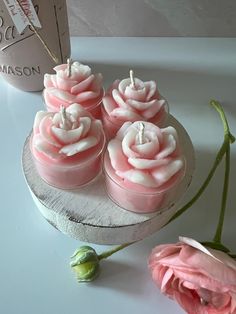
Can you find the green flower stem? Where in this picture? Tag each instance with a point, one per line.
(218, 234)
(106, 254)
(228, 138)
(218, 159)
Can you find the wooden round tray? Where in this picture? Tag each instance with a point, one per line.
(89, 215)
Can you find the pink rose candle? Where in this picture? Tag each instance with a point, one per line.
(141, 164)
(67, 146)
(74, 83)
(132, 100)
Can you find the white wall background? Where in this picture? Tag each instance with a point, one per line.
(214, 18)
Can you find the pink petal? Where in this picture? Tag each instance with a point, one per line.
(119, 100)
(123, 130)
(118, 159)
(151, 88)
(96, 129)
(45, 148)
(109, 104)
(82, 86)
(142, 164)
(48, 81)
(129, 141)
(71, 136)
(138, 176)
(168, 146)
(84, 96)
(164, 173)
(59, 95)
(45, 131)
(78, 111)
(64, 84)
(38, 118)
(148, 149)
(154, 109)
(80, 146)
(125, 114)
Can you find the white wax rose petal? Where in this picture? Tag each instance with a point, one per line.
(82, 145)
(80, 70)
(63, 84)
(45, 131)
(83, 85)
(60, 94)
(118, 159)
(96, 129)
(123, 130)
(138, 94)
(148, 149)
(138, 176)
(140, 163)
(164, 173)
(47, 82)
(71, 136)
(125, 114)
(154, 109)
(83, 96)
(139, 105)
(128, 141)
(76, 110)
(46, 148)
(86, 124)
(169, 146)
(151, 89)
(109, 104)
(118, 99)
(38, 118)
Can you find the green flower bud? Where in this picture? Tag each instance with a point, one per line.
(85, 264)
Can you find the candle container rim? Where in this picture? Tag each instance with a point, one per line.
(75, 164)
(154, 191)
(87, 108)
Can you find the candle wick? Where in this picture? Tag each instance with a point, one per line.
(141, 133)
(69, 66)
(132, 79)
(63, 118)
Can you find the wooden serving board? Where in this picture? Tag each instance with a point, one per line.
(89, 215)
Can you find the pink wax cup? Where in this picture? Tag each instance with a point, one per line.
(74, 83)
(67, 146)
(142, 164)
(132, 100)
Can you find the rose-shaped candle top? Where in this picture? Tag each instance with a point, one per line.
(133, 100)
(70, 135)
(72, 83)
(145, 155)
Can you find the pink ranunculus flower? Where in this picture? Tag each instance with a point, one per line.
(156, 163)
(81, 87)
(201, 280)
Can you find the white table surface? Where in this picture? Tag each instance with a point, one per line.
(34, 271)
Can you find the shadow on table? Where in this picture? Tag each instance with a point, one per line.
(114, 275)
